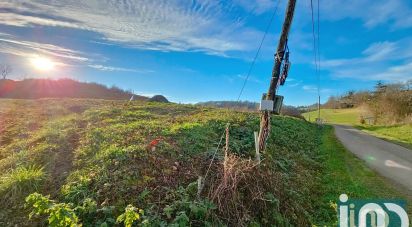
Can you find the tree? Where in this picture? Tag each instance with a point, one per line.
(409, 85)
(380, 87)
(5, 70)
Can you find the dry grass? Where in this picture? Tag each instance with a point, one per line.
(236, 172)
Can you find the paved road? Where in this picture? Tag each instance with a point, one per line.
(388, 159)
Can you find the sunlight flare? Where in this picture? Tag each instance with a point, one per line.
(42, 63)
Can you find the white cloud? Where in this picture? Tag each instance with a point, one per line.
(395, 13)
(259, 6)
(19, 20)
(119, 69)
(376, 62)
(380, 51)
(157, 25)
(314, 89)
(13, 46)
(309, 88)
(250, 79)
(291, 82)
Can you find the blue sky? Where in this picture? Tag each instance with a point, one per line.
(193, 51)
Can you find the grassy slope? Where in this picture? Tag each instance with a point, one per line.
(95, 152)
(400, 134)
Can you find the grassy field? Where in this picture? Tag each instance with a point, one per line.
(400, 134)
(336, 116)
(93, 162)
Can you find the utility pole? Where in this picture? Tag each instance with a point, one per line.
(274, 82)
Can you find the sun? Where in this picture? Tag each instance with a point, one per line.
(42, 63)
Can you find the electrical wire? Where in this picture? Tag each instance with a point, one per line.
(245, 81)
(316, 49)
(258, 51)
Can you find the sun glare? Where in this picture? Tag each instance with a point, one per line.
(42, 63)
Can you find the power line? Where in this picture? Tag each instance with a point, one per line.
(316, 49)
(245, 81)
(314, 38)
(258, 51)
(214, 154)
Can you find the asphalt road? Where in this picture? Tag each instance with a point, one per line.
(389, 160)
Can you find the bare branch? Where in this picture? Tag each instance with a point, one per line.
(5, 70)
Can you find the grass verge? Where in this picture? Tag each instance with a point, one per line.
(398, 134)
(344, 173)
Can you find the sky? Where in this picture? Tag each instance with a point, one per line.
(193, 51)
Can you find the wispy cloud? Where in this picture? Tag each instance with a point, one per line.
(309, 88)
(376, 62)
(258, 6)
(290, 82)
(119, 69)
(20, 20)
(28, 49)
(395, 13)
(313, 89)
(250, 78)
(157, 25)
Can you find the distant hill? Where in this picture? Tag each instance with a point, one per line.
(62, 88)
(158, 98)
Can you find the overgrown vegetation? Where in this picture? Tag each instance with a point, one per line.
(387, 104)
(106, 163)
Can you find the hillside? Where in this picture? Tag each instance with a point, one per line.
(62, 88)
(94, 158)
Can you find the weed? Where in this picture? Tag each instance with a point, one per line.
(60, 214)
(130, 215)
(20, 182)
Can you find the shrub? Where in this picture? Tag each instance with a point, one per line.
(60, 214)
(130, 215)
(362, 120)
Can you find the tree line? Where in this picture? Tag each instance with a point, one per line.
(386, 103)
(61, 88)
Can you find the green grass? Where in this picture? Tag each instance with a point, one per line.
(20, 182)
(95, 160)
(345, 173)
(399, 134)
(336, 116)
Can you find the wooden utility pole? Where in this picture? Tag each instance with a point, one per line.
(274, 82)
